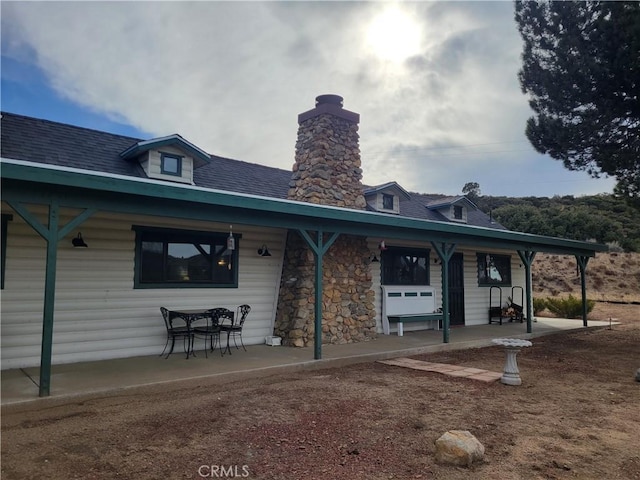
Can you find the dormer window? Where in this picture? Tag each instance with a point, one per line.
(386, 198)
(171, 164)
(169, 158)
(455, 209)
(387, 201)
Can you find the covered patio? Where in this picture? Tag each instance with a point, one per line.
(86, 193)
(82, 379)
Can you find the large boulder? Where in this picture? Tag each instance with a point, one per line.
(459, 447)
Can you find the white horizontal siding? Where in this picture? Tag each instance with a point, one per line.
(376, 275)
(476, 297)
(98, 313)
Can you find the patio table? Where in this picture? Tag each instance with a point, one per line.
(190, 316)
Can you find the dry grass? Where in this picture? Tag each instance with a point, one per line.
(611, 277)
(574, 417)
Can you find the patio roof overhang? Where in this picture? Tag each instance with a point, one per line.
(25, 183)
(88, 189)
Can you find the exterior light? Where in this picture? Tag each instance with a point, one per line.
(78, 241)
(263, 251)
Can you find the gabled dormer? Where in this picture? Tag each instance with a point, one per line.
(455, 209)
(386, 198)
(169, 158)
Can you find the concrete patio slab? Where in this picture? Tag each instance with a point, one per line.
(90, 378)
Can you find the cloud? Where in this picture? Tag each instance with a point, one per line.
(232, 77)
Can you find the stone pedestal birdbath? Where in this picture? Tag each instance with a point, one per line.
(512, 346)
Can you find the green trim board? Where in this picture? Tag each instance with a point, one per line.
(106, 192)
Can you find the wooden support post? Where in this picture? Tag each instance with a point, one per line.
(319, 248)
(445, 252)
(52, 235)
(527, 259)
(582, 264)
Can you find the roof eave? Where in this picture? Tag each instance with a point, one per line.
(347, 219)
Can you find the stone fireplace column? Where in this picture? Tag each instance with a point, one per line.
(327, 171)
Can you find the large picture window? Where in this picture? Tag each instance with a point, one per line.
(494, 269)
(179, 258)
(403, 266)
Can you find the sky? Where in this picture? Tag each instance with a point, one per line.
(435, 83)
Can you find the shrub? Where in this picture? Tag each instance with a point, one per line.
(570, 307)
(539, 304)
(615, 247)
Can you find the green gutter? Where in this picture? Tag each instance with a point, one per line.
(338, 219)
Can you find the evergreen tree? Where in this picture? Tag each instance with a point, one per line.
(581, 70)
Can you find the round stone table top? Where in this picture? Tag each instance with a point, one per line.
(512, 342)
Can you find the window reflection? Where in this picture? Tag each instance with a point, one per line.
(183, 258)
(494, 269)
(405, 267)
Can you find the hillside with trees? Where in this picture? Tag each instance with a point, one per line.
(601, 218)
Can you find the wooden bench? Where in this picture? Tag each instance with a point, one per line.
(408, 304)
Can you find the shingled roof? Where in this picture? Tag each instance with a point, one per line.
(43, 141)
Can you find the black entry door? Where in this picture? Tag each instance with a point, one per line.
(456, 289)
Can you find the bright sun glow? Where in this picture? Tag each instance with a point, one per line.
(394, 35)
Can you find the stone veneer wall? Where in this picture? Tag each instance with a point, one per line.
(327, 171)
(348, 311)
(327, 168)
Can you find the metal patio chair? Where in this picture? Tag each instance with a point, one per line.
(174, 331)
(235, 328)
(211, 329)
(221, 319)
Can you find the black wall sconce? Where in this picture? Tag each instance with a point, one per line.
(78, 241)
(373, 258)
(263, 251)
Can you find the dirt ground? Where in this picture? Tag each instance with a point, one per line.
(576, 416)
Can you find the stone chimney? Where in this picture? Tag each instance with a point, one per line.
(327, 171)
(327, 167)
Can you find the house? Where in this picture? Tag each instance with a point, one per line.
(168, 224)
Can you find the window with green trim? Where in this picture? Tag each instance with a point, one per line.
(171, 164)
(405, 266)
(6, 218)
(494, 269)
(183, 258)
